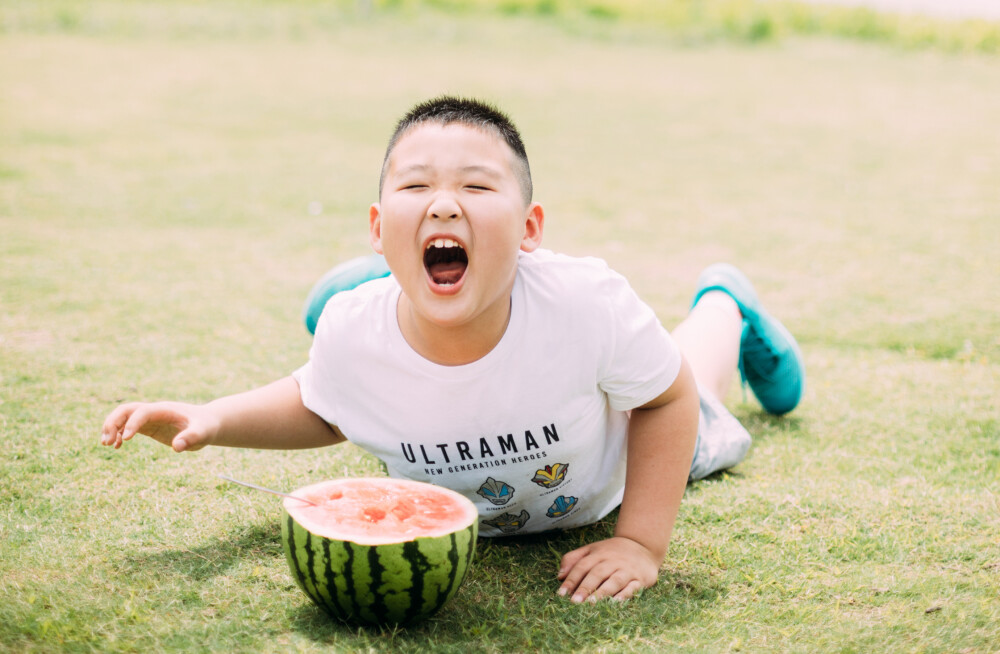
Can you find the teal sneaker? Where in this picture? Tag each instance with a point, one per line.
(770, 360)
(343, 277)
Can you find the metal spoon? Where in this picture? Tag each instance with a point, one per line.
(267, 490)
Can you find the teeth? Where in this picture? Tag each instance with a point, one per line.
(443, 243)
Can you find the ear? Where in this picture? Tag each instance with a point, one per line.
(375, 227)
(533, 226)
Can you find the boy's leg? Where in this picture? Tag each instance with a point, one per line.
(343, 277)
(710, 339)
(727, 329)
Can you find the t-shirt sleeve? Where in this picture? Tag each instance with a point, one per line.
(641, 359)
(317, 373)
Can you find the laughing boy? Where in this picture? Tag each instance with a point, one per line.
(538, 385)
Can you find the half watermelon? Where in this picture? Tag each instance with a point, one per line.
(379, 550)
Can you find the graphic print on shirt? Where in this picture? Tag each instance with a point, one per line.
(497, 492)
(459, 456)
(551, 476)
(562, 506)
(509, 523)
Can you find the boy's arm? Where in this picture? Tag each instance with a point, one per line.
(661, 440)
(269, 417)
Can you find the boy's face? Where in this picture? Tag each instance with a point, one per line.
(450, 222)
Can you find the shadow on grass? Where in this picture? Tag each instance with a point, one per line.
(762, 425)
(508, 602)
(253, 542)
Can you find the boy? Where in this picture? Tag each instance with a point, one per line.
(537, 385)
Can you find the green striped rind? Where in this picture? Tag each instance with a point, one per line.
(378, 584)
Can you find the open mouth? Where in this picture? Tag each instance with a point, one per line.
(445, 261)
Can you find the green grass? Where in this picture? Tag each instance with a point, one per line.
(679, 21)
(156, 241)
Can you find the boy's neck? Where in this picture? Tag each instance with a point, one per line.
(452, 346)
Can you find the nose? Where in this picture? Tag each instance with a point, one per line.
(444, 207)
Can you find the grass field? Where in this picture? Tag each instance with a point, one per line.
(172, 184)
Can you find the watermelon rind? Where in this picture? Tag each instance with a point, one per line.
(375, 584)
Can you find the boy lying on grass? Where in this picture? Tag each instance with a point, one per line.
(536, 384)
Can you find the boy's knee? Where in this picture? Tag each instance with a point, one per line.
(722, 441)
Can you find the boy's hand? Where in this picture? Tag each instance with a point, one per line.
(615, 568)
(184, 427)
(269, 417)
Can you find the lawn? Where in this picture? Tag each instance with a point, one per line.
(174, 177)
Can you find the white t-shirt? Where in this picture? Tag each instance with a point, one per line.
(534, 432)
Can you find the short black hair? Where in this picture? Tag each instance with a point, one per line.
(447, 110)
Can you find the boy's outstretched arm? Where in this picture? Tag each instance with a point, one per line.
(661, 441)
(269, 417)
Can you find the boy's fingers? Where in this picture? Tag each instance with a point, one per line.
(135, 421)
(613, 585)
(585, 590)
(576, 565)
(583, 579)
(111, 430)
(570, 559)
(628, 592)
(115, 420)
(592, 586)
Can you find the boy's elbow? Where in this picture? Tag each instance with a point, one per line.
(336, 436)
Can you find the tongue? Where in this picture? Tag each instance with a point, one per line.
(447, 273)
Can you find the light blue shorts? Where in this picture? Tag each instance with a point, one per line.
(722, 440)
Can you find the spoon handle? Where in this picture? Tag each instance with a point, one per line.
(267, 490)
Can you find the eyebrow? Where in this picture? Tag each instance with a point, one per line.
(486, 170)
(414, 168)
(420, 168)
